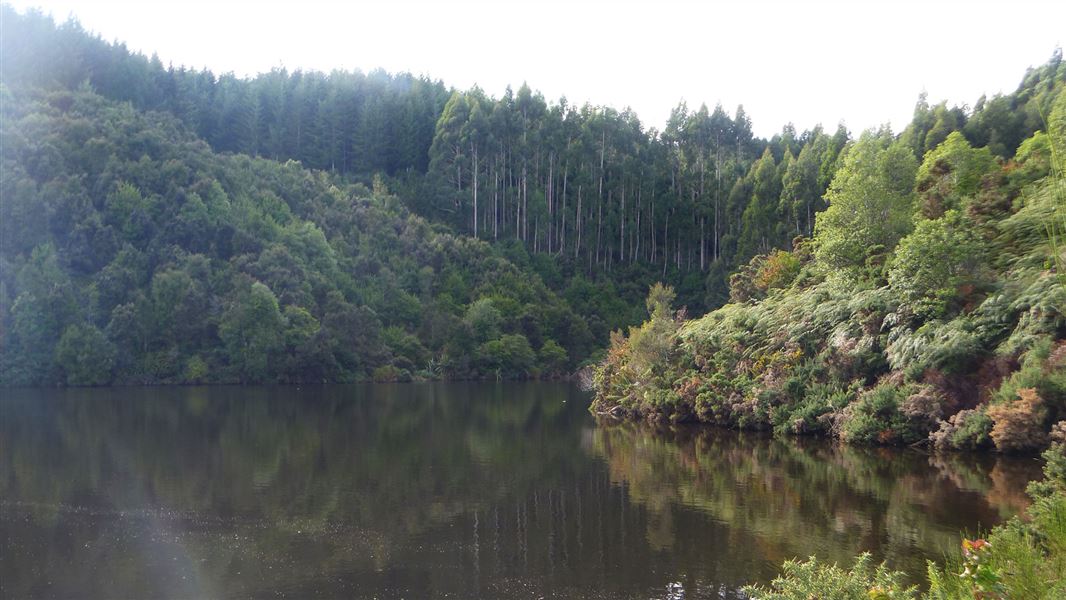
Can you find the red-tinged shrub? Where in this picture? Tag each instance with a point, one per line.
(1019, 425)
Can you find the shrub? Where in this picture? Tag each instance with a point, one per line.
(85, 355)
(742, 285)
(876, 418)
(1019, 425)
(949, 174)
(510, 356)
(953, 347)
(196, 370)
(965, 430)
(390, 373)
(1044, 370)
(553, 358)
(923, 409)
(763, 273)
(937, 263)
(651, 344)
(777, 271)
(484, 319)
(802, 580)
(1054, 481)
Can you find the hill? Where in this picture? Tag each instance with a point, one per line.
(929, 306)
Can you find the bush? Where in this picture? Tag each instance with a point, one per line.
(877, 418)
(196, 370)
(950, 174)
(1019, 425)
(762, 274)
(552, 357)
(390, 373)
(509, 356)
(651, 344)
(936, 265)
(1044, 370)
(965, 430)
(923, 409)
(1020, 559)
(85, 355)
(803, 580)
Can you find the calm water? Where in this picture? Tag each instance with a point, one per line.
(443, 490)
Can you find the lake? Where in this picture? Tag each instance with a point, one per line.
(459, 490)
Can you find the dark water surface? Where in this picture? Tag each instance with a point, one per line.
(443, 490)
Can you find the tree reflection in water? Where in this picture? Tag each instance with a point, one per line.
(441, 489)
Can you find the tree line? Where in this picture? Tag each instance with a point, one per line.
(586, 199)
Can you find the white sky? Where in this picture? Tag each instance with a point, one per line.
(860, 62)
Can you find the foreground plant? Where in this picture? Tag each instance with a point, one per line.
(801, 580)
(1020, 559)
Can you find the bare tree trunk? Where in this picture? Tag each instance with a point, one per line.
(622, 226)
(666, 243)
(562, 226)
(551, 190)
(703, 243)
(477, 168)
(636, 247)
(599, 226)
(649, 248)
(717, 192)
(577, 248)
(496, 204)
(525, 204)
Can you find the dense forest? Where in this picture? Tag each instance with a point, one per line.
(161, 224)
(928, 306)
(574, 192)
(376, 225)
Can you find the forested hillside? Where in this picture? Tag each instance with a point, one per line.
(597, 201)
(928, 306)
(584, 206)
(133, 253)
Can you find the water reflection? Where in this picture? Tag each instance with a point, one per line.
(440, 489)
(797, 497)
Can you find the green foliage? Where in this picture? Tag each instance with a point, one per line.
(135, 201)
(938, 265)
(869, 359)
(200, 267)
(196, 370)
(1043, 370)
(870, 202)
(251, 329)
(759, 231)
(85, 355)
(950, 174)
(483, 319)
(1018, 559)
(552, 358)
(1030, 400)
(660, 301)
(390, 374)
(965, 430)
(650, 344)
(508, 356)
(1056, 225)
(762, 274)
(802, 580)
(877, 418)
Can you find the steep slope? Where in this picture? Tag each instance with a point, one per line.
(930, 304)
(131, 252)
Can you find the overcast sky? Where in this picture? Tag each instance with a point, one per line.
(863, 63)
